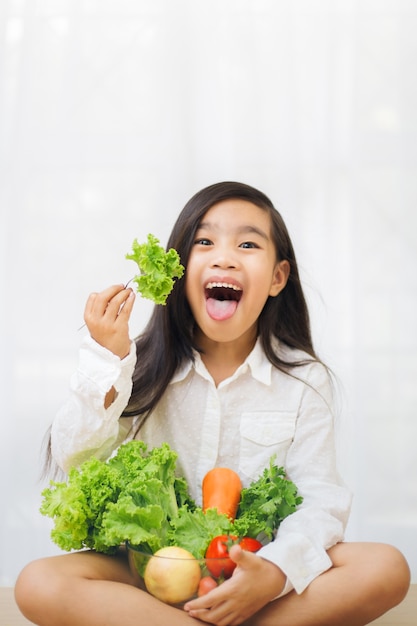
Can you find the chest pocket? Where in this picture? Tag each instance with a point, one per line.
(263, 434)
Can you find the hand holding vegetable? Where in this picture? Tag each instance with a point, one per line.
(219, 549)
(107, 318)
(107, 313)
(254, 583)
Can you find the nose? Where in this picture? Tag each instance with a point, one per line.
(223, 258)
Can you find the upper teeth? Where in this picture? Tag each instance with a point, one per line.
(228, 285)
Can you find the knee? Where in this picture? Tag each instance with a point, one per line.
(398, 574)
(32, 590)
(388, 575)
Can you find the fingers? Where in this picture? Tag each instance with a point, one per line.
(223, 612)
(236, 553)
(108, 301)
(107, 315)
(254, 583)
(218, 606)
(244, 558)
(127, 307)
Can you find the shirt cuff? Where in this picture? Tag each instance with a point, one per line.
(100, 366)
(299, 558)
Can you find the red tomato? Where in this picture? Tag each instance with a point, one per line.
(219, 549)
(249, 544)
(207, 583)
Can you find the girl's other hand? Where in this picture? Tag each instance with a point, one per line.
(254, 583)
(107, 316)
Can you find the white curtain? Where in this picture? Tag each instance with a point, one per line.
(114, 112)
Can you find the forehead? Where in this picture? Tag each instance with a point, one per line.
(235, 213)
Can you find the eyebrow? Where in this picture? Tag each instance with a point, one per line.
(246, 228)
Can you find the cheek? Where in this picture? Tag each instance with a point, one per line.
(192, 274)
(262, 290)
(190, 287)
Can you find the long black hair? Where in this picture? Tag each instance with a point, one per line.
(168, 339)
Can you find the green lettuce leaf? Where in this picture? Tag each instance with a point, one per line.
(158, 269)
(94, 507)
(193, 530)
(266, 502)
(144, 526)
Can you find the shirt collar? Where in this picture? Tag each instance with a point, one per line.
(259, 366)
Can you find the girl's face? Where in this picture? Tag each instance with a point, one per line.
(231, 271)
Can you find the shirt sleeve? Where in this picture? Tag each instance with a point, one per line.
(83, 427)
(301, 544)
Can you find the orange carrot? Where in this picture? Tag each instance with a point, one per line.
(221, 490)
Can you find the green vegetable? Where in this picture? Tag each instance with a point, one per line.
(158, 269)
(130, 497)
(136, 496)
(265, 503)
(194, 530)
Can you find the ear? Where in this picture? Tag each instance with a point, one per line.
(280, 278)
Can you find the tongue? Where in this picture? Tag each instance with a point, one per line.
(221, 309)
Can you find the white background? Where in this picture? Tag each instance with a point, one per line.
(114, 112)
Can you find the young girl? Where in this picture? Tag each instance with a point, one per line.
(226, 374)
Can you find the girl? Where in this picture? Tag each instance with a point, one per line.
(226, 373)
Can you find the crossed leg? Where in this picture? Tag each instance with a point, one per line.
(366, 581)
(90, 589)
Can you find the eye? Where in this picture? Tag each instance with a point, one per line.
(248, 244)
(202, 241)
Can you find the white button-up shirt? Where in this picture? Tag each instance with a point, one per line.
(249, 417)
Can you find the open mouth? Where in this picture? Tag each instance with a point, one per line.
(222, 299)
(223, 291)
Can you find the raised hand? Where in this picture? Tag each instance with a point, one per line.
(107, 316)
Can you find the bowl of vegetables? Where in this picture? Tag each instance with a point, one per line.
(136, 499)
(174, 576)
